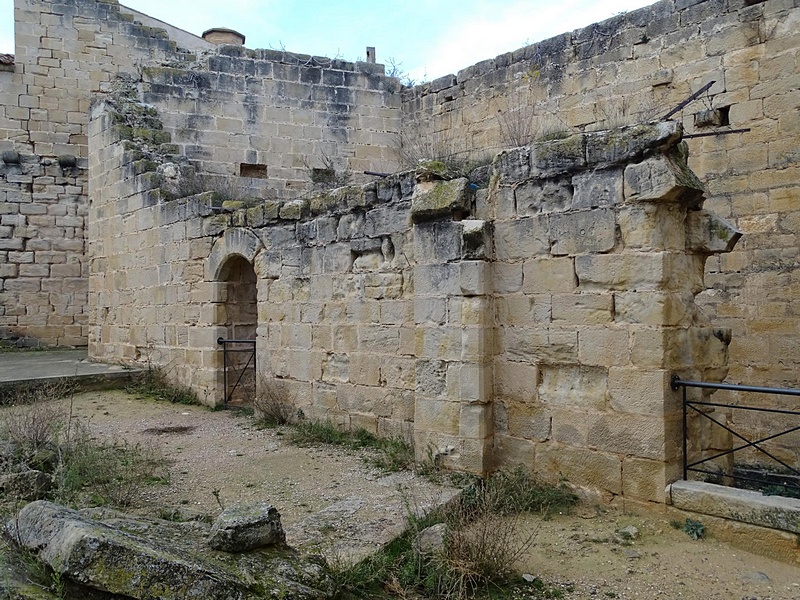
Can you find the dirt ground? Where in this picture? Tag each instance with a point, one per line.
(332, 502)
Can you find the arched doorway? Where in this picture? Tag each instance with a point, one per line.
(240, 324)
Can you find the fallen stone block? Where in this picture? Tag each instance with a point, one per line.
(149, 559)
(247, 527)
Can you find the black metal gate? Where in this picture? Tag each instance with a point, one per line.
(788, 478)
(235, 375)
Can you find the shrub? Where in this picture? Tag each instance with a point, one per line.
(482, 542)
(107, 472)
(273, 403)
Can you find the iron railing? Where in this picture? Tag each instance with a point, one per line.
(791, 475)
(226, 351)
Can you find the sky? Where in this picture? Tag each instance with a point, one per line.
(425, 39)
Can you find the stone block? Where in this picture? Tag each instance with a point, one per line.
(528, 422)
(512, 166)
(655, 308)
(247, 527)
(396, 372)
(364, 369)
(475, 278)
(507, 277)
(549, 275)
(440, 416)
(476, 421)
(642, 436)
(476, 241)
(642, 392)
(706, 233)
(558, 157)
(440, 199)
(639, 271)
(437, 280)
(583, 232)
(438, 242)
(774, 512)
(646, 480)
(550, 346)
(543, 196)
(583, 309)
(438, 342)
(522, 238)
(518, 310)
(653, 226)
(631, 143)
(597, 189)
(569, 426)
(509, 452)
(516, 381)
(580, 388)
(474, 381)
(603, 346)
(431, 378)
(665, 177)
(559, 462)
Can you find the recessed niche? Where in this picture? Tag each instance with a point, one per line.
(253, 170)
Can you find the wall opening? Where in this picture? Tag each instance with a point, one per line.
(240, 321)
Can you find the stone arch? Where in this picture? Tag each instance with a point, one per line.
(235, 241)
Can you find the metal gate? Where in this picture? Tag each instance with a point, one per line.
(235, 375)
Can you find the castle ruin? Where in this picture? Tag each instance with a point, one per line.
(159, 192)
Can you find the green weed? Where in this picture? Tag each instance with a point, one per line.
(389, 454)
(154, 383)
(483, 540)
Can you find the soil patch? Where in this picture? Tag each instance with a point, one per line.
(331, 501)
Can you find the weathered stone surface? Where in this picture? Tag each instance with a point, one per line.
(664, 177)
(431, 540)
(438, 199)
(476, 240)
(149, 559)
(597, 189)
(709, 234)
(775, 512)
(626, 144)
(247, 527)
(557, 157)
(583, 232)
(28, 485)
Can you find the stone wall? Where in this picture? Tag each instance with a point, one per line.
(65, 51)
(638, 66)
(255, 123)
(535, 321)
(278, 122)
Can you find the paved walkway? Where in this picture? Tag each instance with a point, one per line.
(44, 365)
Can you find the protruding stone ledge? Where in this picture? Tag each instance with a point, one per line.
(774, 512)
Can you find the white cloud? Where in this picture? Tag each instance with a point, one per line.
(495, 29)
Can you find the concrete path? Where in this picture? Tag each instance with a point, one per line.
(40, 366)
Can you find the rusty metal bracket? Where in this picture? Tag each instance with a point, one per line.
(688, 100)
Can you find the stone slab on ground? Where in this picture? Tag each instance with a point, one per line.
(774, 512)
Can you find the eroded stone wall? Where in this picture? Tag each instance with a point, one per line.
(536, 321)
(65, 51)
(638, 66)
(265, 124)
